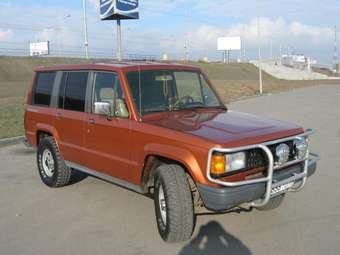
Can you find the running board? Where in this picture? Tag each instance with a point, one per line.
(105, 177)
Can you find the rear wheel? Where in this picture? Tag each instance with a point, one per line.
(173, 204)
(273, 203)
(52, 168)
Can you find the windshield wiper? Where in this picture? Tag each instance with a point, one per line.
(221, 107)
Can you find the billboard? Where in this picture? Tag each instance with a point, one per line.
(119, 9)
(229, 43)
(40, 48)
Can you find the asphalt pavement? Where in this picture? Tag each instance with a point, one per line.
(95, 217)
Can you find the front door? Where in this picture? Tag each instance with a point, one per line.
(107, 138)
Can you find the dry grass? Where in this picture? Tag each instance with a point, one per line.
(16, 73)
(232, 81)
(235, 81)
(11, 117)
(235, 90)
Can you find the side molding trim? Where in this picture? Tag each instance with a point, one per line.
(105, 177)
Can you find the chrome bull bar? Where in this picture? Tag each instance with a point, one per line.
(271, 167)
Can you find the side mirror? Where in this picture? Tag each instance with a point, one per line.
(102, 108)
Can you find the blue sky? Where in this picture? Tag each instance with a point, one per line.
(304, 26)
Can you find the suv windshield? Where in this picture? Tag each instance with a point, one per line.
(170, 90)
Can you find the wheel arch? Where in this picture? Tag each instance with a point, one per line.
(43, 130)
(164, 154)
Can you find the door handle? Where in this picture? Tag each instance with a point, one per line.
(58, 115)
(91, 122)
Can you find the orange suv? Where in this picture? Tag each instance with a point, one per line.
(162, 129)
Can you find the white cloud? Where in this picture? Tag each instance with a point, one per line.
(155, 34)
(46, 34)
(161, 6)
(96, 4)
(277, 31)
(311, 11)
(5, 34)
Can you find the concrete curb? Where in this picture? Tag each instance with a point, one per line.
(11, 141)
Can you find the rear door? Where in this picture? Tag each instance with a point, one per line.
(38, 110)
(107, 140)
(70, 115)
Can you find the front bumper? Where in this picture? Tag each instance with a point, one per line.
(221, 199)
(291, 176)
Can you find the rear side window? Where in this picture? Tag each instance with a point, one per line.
(73, 91)
(43, 88)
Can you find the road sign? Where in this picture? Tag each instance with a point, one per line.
(229, 43)
(40, 48)
(119, 9)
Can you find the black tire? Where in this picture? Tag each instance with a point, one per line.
(273, 203)
(61, 174)
(179, 223)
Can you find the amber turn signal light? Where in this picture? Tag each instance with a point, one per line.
(218, 163)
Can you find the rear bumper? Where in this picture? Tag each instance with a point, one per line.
(221, 199)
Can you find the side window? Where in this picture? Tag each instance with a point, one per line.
(73, 87)
(107, 88)
(188, 84)
(43, 88)
(209, 96)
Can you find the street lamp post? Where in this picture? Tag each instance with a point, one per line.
(60, 34)
(119, 40)
(86, 41)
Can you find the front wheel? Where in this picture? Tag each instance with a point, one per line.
(52, 168)
(173, 204)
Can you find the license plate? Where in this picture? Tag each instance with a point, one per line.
(282, 188)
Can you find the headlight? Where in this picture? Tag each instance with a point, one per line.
(236, 161)
(282, 153)
(301, 147)
(221, 163)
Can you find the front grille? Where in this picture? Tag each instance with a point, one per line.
(257, 157)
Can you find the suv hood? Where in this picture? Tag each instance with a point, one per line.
(227, 128)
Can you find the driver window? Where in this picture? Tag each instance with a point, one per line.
(188, 85)
(208, 94)
(107, 88)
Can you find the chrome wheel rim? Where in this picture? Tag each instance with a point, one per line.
(48, 162)
(162, 203)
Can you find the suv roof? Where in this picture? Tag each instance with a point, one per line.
(115, 65)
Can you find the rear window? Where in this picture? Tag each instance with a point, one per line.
(43, 88)
(73, 91)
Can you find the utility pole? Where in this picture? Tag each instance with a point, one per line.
(271, 49)
(119, 40)
(186, 43)
(60, 34)
(259, 56)
(226, 57)
(186, 50)
(335, 56)
(244, 50)
(86, 41)
(243, 45)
